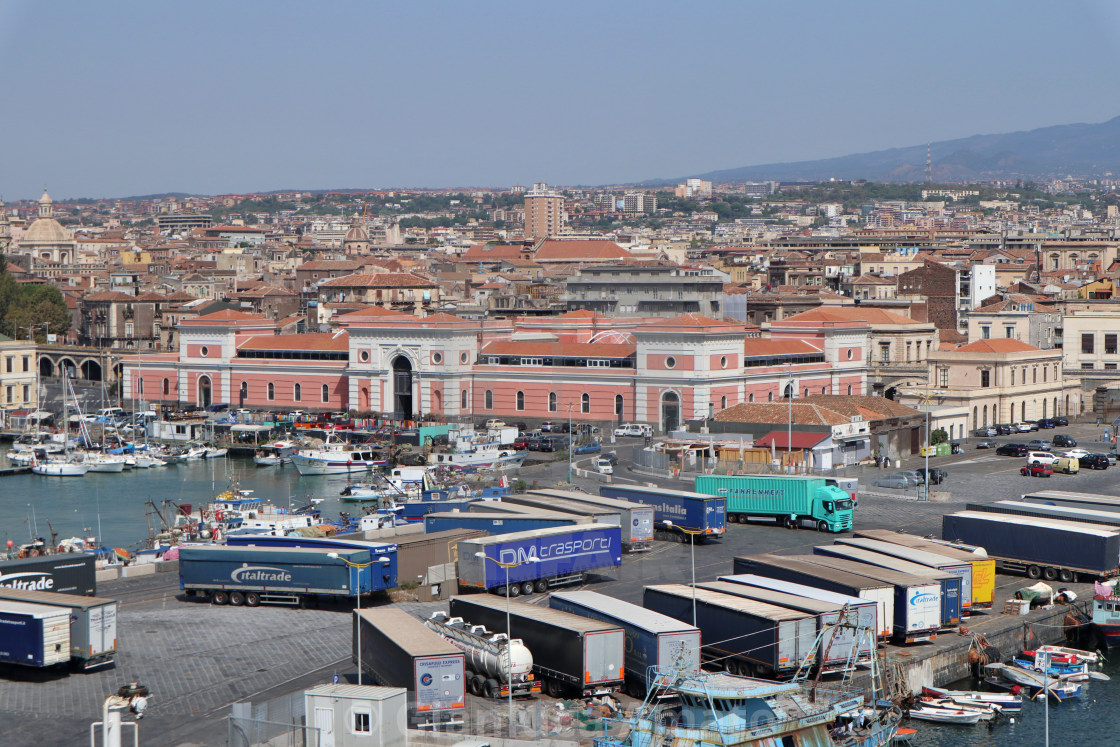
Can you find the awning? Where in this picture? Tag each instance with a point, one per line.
(801, 440)
(248, 428)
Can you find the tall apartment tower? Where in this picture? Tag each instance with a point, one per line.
(544, 212)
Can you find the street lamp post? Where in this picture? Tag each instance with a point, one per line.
(570, 443)
(358, 600)
(789, 427)
(692, 553)
(509, 631)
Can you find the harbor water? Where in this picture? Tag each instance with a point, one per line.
(113, 506)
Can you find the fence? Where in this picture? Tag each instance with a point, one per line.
(281, 722)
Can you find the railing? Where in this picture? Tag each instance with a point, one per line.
(249, 732)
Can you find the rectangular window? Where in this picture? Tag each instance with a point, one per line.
(1110, 367)
(1110, 344)
(10, 391)
(128, 329)
(985, 332)
(885, 352)
(26, 393)
(985, 378)
(1009, 333)
(8, 363)
(532, 361)
(1087, 342)
(361, 722)
(943, 377)
(26, 363)
(1086, 366)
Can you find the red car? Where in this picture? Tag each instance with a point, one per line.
(1036, 470)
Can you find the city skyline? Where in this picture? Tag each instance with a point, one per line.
(133, 99)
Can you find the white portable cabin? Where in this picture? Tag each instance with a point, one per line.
(358, 715)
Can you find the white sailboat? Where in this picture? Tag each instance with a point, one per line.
(65, 465)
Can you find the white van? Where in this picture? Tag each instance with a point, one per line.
(1041, 457)
(110, 414)
(633, 429)
(603, 466)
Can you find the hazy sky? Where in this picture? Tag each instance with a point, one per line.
(125, 98)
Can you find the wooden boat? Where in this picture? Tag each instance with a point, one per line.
(987, 712)
(1060, 688)
(945, 715)
(1007, 702)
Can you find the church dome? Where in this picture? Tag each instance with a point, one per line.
(45, 229)
(357, 231)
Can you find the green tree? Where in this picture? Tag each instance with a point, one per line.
(24, 305)
(939, 436)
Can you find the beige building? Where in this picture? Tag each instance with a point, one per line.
(1089, 335)
(999, 381)
(544, 213)
(18, 366)
(1017, 317)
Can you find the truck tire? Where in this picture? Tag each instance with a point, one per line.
(822, 526)
(527, 588)
(741, 518)
(540, 585)
(554, 688)
(236, 598)
(513, 591)
(1033, 571)
(252, 599)
(219, 597)
(491, 689)
(474, 684)
(1050, 574)
(1067, 576)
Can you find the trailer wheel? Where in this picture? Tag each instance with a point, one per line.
(1033, 571)
(540, 586)
(1050, 574)
(491, 688)
(1066, 575)
(252, 599)
(732, 667)
(741, 518)
(236, 598)
(219, 597)
(475, 685)
(553, 688)
(513, 591)
(527, 588)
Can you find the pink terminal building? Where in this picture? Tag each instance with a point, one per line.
(595, 368)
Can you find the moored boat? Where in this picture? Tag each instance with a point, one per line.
(336, 458)
(1008, 702)
(945, 715)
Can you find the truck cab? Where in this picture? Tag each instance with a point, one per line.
(833, 511)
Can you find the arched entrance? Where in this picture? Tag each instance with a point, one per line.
(67, 368)
(363, 399)
(46, 366)
(243, 393)
(619, 405)
(402, 388)
(91, 370)
(205, 392)
(670, 411)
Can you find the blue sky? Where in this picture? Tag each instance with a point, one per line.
(125, 98)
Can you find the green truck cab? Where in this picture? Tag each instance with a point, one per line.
(790, 500)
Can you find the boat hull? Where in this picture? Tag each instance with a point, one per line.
(310, 465)
(60, 470)
(107, 467)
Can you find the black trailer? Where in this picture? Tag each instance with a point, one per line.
(65, 573)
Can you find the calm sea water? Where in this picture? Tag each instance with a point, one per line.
(112, 506)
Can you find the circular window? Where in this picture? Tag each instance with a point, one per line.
(849, 353)
(723, 362)
(437, 358)
(205, 351)
(463, 357)
(670, 362)
(364, 356)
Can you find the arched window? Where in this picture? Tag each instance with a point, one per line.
(271, 390)
(723, 402)
(521, 400)
(985, 414)
(552, 401)
(244, 391)
(297, 393)
(1012, 376)
(824, 390)
(167, 386)
(976, 425)
(769, 396)
(788, 392)
(140, 385)
(463, 400)
(750, 397)
(619, 405)
(488, 400)
(326, 393)
(585, 403)
(849, 390)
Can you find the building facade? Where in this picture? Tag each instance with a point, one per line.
(544, 213)
(19, 366)
(645, 288)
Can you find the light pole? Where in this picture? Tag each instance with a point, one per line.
(692, 553)
(789, 428)
(358, 600)
(509, 632)
(569, 443)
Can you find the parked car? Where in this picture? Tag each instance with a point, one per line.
(1095, 461)
(1061, 439)
(1036, 470)
(1040, 457)
(534, 444)
(546, 426)
(1015, 450)
(546, 444)
(936, 475)
(611, 457)
(591, 447)
(1046, 423)
(1112, 457)
(604, 466)
(984, 432)
(494, 423)
(1061, 422)
(1038, 444)
(1025, 427)
(1067, 465)
(633, 429)
(1004, 429)
(521, 443)
(1076, 453)
(898, 480)
(985, 444)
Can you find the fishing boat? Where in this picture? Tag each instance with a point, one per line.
(336, 457)
(987, 712)
(1035, 660)
(1060, 689)
(471, 457)
(1007, 702)
(215, 452)
(945, 715)
(275, 454)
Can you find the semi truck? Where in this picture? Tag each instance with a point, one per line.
(93, 623)
(65, 573)
(788, 499)
(799, 571)
(983, 567)
(571, 654)
(497, 667)
(35, 635)
(927, 558)
(841, 646)
(534, 561)
(384, 577)
(678, 515)
(494, 523)
(1048, 548)
(949, 598)
(397, 650)
(285, 575)
(746, 637)
(657, 646)
(637, 518)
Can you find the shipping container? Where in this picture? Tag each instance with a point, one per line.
(544, 558)
(286, 575)
(983, 567)
(937, 561)
(571, 654)
(791, 500)
(637, 518)
(35, 635)
(836, 627)
(93, 623)
(865, 612)
(397, 650)
(677, 514)
(798, 571)
(65, 573)
(492, 523)
(949, 598)
(384, 576)
(1046, 548)
(657, 646)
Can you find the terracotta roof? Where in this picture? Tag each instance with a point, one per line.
(311, 341)
(266, 290)
(369, 312)
(867, 314)
(110, 296)
(762, 346)
(695, 320)
(818, 409)
(578, 250)
(441, 316)
(150, 296)
(330, 264)
(379, 280)
(562, 349)
(229, 315)
(997, 345)
(492, 253)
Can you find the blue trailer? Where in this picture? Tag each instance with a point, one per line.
(677, 514)
(35, 635)
(656, 645)
(280, 575)
(544, 558)
(414, 511)
(385, 578)
(494, 523)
